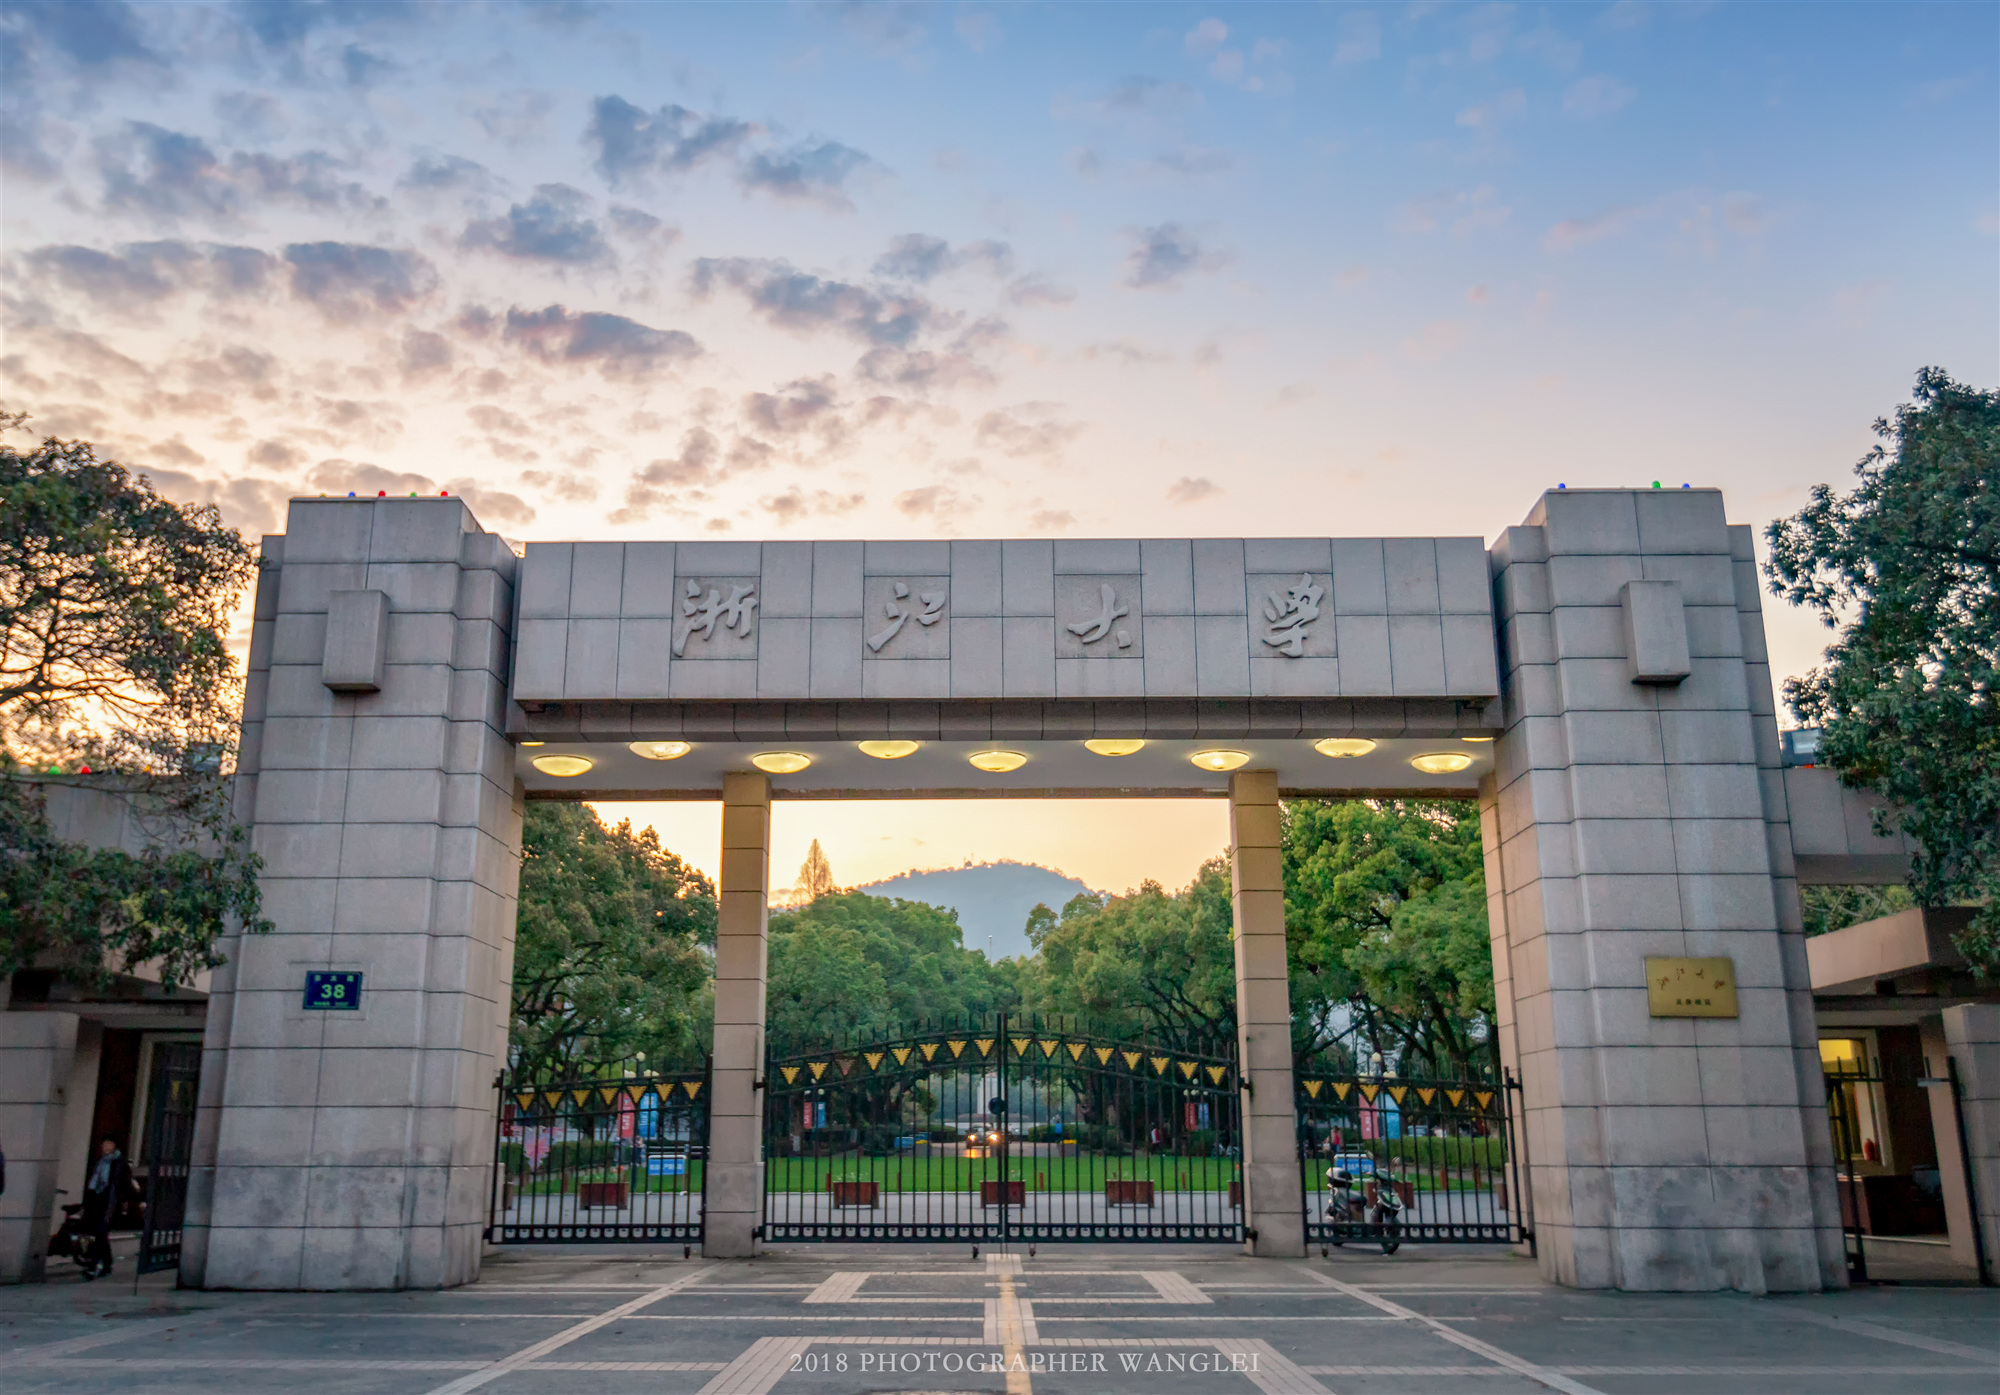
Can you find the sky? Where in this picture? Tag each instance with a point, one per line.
(830, 270)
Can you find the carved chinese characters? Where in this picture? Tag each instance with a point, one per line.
(905, 617)
(1289, 614)
(1098, 617)
(719, 614)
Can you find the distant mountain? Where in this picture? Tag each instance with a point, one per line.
(991, 898)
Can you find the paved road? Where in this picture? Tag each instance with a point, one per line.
(1104, 1320)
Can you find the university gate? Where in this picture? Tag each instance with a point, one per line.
(1007, 1130)
(1596, 678)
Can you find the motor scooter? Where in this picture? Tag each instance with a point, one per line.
(1344, 1204)
(1388, 1212)
(70, 1238)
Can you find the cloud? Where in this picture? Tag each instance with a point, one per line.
(1508, 106)
(1205, 38)
(549, 227)
(1050, 519)
(1576, 232)
(1029, 429)
(1037, 290)
(1191, 160)
(513, 118)
(1435, 340)
(794, 504)
(807, 404)
(90, 33)
(1148, 97)
(1359, 38)
(1163, 256)
(618, 346)
(440, 173)
(338, 476)
(938, 502)
(811, 172)
(255, 506)
(144, 271)
(890, 28)
(1596, 96)
(1123, 351)
(1463, 212)
(424, 353)
(798, 300)
(150, 170)
(698, 466)
(672, 140)
(921, 258)
(638, 224)
(347, 280)
(1190, 489)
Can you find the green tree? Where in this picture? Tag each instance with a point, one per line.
(114, 620)
(1906, 567)
(1385, 920)
(849, 965)
(1830, 908)
(607, 950)
(1147, 966)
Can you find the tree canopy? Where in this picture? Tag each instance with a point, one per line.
(849, 965)
(1385, 911)
(1386, 934)
(114, 621)
(1149, 965)
(1906, 567)
(607, 952)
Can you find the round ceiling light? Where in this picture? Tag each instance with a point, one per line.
(1441, 762)
(1113, 745)
(1341, 747)
(1220, 760)
(997, 762)
(781, 762)
(661, 750)
(887, 750)
(1478, 738)
(534, 743)
(562, 765)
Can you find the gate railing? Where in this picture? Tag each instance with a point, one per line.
(170, 1109)
(1447, 1147)
(611, 1160)
(1010, 1128)
(1873, 1199)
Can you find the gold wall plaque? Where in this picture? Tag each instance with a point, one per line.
(1690, 988)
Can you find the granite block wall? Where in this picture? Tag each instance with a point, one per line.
(1632, 819)
(353, 1149)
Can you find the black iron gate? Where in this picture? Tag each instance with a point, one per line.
(614, 1160)
(1858, 1109)
(1009, 1129)
(170, 1104)
(1446, 1147)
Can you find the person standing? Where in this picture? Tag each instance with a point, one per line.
(110, 1179)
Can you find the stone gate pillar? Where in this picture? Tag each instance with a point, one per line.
(1273, 1194)
(1636, 810)
(354, 1149)
(733, 1196)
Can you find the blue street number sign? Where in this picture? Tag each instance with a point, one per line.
(333, 991)
(666, 1165)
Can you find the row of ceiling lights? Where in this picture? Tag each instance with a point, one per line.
(999, 762)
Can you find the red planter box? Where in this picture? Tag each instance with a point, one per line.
(1128, 1193)
(989, 1193)
(1406, 1190)
(590, 1195)
(867, 1194)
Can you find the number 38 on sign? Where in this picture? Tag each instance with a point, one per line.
(333, 991)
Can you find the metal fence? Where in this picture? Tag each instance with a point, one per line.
(170, 1110)
(1008, 1129)
(618, 1160)
(1444, 1149)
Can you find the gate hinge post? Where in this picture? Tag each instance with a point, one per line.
(756, 1084)
(1243, 1084)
